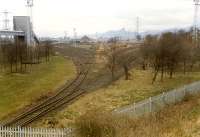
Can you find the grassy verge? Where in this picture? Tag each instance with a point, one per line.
(181, 120)
(121, 93)
(19, 90)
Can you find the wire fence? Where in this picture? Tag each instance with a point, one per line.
(34, 132)
(156, 103)
(147, 106)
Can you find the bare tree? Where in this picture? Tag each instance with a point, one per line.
(166, 52)
(120, 56)
(145, 50)
(126, 59)
(111, 55)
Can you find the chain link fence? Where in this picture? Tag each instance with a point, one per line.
(156, 103)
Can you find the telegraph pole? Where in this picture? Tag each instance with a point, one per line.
(195, 35)
(137, 25)
(138, 29)
(65, 35)
(29, 4)
(75, 37)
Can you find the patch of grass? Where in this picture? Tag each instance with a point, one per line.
(193, 113)
(124, 92)
(173, 121)
(19, 90)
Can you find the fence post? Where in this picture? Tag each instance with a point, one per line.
(163, 97)
(10, 131)
(19, 131)
(134, 110)
(150, 104)
(175, 96)
(0, 130)
(184, 92)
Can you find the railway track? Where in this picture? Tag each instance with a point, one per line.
(64, 96)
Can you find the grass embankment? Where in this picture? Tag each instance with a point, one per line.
(122, 93)
(181, 120)
(19, 90)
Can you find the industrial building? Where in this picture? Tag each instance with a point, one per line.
(22, 30)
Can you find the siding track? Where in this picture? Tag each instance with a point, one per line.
(65, 95)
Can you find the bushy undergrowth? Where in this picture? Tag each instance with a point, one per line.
(170, 122)
(96, 124)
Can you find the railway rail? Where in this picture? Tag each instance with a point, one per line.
(64, 96)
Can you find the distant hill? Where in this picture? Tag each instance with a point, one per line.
(122, 33)
(125, 34)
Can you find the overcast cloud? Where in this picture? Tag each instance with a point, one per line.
(53, 17)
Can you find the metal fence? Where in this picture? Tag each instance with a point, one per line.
(34, 132)
(156, 103)
(147, 106)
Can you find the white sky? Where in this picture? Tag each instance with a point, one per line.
(53, 17)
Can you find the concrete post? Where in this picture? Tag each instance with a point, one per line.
(150, 104)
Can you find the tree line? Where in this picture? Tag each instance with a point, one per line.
(165, 54)
(17, 57)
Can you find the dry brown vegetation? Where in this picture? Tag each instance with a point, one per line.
(181, 120)
(118, 56)
(166, 54)
(169, 53)
(170, 56)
